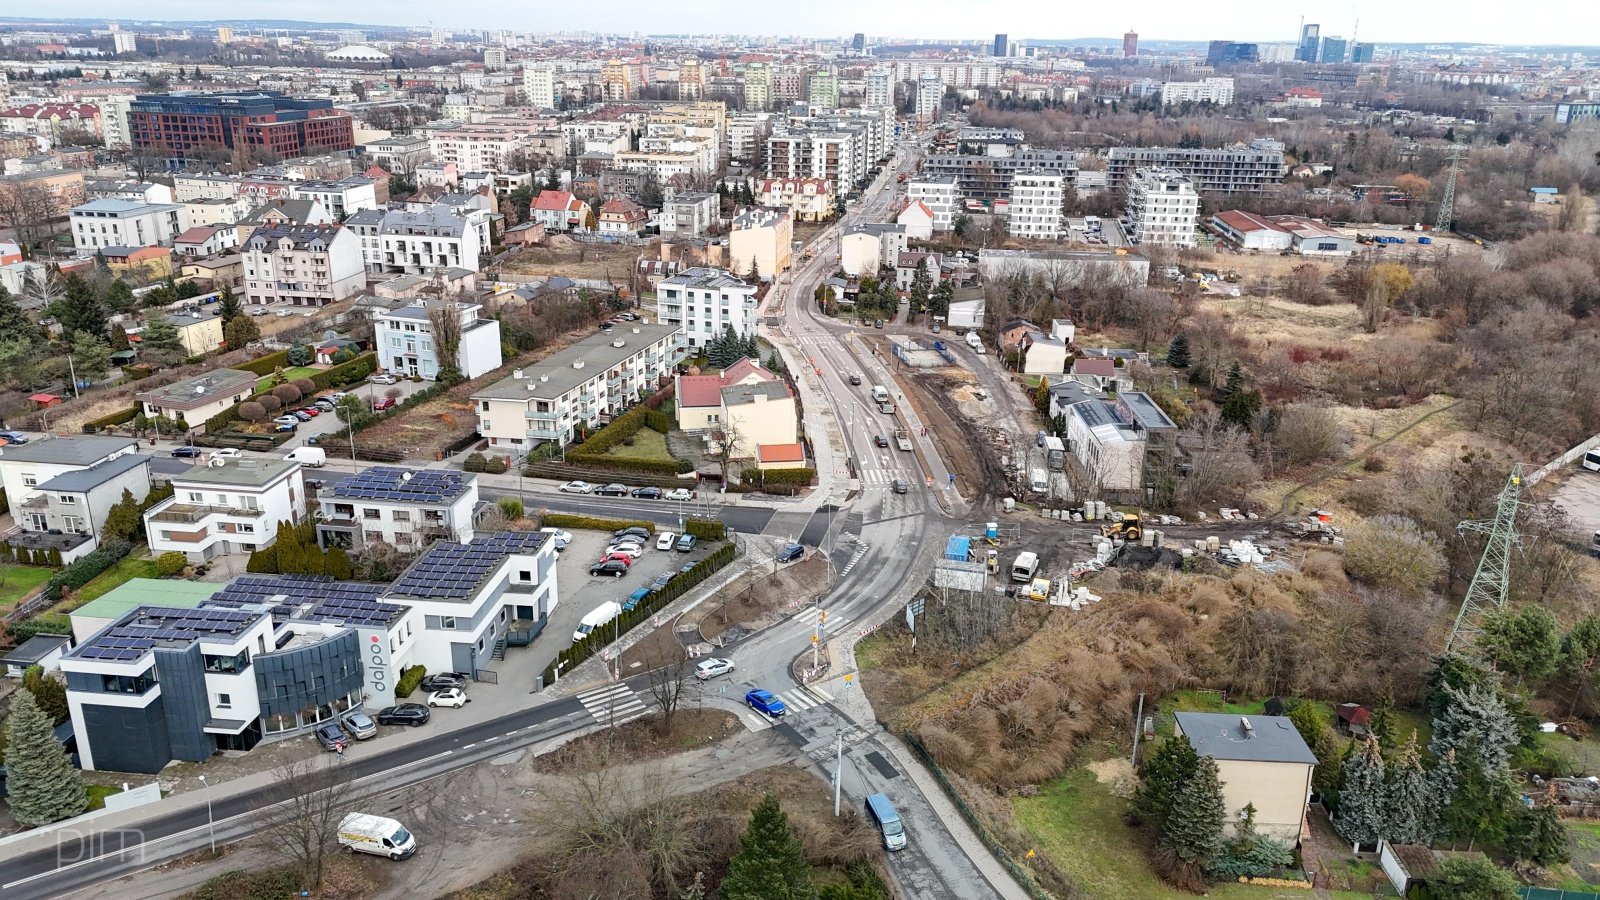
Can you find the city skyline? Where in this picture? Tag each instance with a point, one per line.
(1471, 21)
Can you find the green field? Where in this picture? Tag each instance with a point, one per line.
(262, 386)
(98, 794)
(648, 444)
(17, 582)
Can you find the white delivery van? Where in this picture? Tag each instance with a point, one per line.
(1591, 460)
(880, 394)
(974, 341)
(596, 617)
(316, 457)
(1038, 480)
(380, 836)
(1024, 566)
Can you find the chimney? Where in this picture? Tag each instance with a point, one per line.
(516, 373)
(578, 364)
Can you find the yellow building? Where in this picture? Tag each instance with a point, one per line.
(762, 237)
(199, 331)
(615, 80)
(1262, 761)
(139, 263)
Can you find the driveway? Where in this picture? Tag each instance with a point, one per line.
(1580, 497)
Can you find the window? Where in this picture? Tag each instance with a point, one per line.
(524, 575)
(196, 497)
(228, 665)
(448, 622)
(224, 701)
(127, 684)
(368, 512)
(30, 481)
(70, 499)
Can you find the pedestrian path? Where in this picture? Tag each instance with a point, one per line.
(613, 704)
(797, 700)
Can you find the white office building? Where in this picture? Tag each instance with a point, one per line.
(1036, 205)
(1162, 208)
(940, 193)
(704, 302)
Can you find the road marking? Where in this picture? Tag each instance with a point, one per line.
(822, 693)
(613, 704)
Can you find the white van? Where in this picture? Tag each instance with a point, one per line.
(880, 394)
(974, 341)
(1591, 460)
(363, 833)
(314, 457)
(596, 617)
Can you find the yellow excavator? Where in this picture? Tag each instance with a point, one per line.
(1130, 529)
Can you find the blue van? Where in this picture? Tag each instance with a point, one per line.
(882, 814)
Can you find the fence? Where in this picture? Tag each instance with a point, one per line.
(1022, 875)
(1539, 893)
(1565, 459)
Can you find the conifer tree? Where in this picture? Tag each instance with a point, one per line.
(1193, 830)
(770, 864)
(1361, 803)
(1537, 836)
(160, 342)
(1234, 384)
(1163, 772)
(1178, 351)
(1407, 796)
(41, 784)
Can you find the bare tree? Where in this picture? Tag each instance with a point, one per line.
(303, 828)
(1220, 468)
(445, 319)
(27, 207)
(669, 682)
(728, 436)
(1310, 433)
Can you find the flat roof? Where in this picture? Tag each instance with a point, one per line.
(555, 374)
(243, 471)
(67, 451)
(95, 475)
(137, 592)
(1224, 736)
(312, 598)
(454, 571)
(201, 389)
(396, 484)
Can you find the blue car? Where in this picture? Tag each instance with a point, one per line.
(791, 553)
(635, 597)
(763, 701)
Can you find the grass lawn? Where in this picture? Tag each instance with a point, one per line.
(129, 567)
(1077, 823)
(98, 794)
(1206, 701)
(289, 374)
(17, 582)
(648, 444)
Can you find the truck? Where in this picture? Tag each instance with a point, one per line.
(902, 439)
(880, 394)
(1055, 451)
(1024, 567)
(1038, 480)
(315, 457)
(378, 835)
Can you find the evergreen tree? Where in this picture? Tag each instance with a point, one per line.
(1475, 720)
(49, 693)
(41, 784)
(263, 561)
(775, 363)
(1481, 809)
(1537, 836)
(1324, 745)
(80, 308)
(1526, 644)
(921, 289)
(240, 332)
(91, 356)
(1240, 408)
(1193, 830)
(119, 337)
(1163, 772)
(939, 300)
(13, 321)
(1382, 724)
(160, 342)
(299, 355)
(228, 305)
(1406, 797)
(336, 564)
(119, 296)
(1234, 383)
(770, 864)
(1580, 658)
(1178, 351)
(1473, 878)
(1361, 802)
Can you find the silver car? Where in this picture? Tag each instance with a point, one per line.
(361, 725)
(711, 668)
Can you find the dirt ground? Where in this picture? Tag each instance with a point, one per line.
(563, 256)
(642, 739)
(425, 429)
(752, 599)
(966, 447)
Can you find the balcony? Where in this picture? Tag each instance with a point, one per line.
(191, 513)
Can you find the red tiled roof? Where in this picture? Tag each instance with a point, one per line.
(781, 453)
(1105, 368)
(197, 235)
(696, 391)
(1244, 222)
(743, 369)
(555, 200)
(917, 203)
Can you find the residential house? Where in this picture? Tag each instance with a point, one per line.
(125, 223)
(910, 262)
(1046, 354)
(221, 271)
(199, 331)
(64, 188)
(560, 211)
(690, 214)
(206, 240)
(406, 508)
(67, 510)
(284, 213)
(807, 199)
(761, 414)
(528, 234)
(578, 388)
(621, 216)
(1262, 762)
(194, 400)
(219, 211)
(699, 397)
(302, 265)
(1098, 374)
(918, 220)
(138, 263)
(1013, 333)
(864, 249)
(966, 309)
(229, 507)
(406, 343)
(421, 242)
(42, 650)
(340, 198)
(761, 242)
(705, 302)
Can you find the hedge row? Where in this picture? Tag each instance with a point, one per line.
(85, 568)
(49, 623)
(346, 372)
(649, 606)
(609, 469)
(477, 462)
(621, 428)
(117, 418)
(409, 679)
(266, 365)
(706, 529)
(595, 523)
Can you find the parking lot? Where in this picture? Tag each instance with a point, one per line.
(581, 592)
(1580, 497)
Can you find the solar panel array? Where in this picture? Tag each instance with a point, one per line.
(390, 483)
(351, 602)
(133, 637)
(450, 569)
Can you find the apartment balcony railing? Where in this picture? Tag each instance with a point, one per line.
(190, 513)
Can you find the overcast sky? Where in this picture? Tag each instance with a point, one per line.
(1488, 21)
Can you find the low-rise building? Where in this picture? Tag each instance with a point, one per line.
(206, 240)
(226, 270)
(302, 265)
(139, 263)
(1046, 354)
(1123, 447)
(917, 219)
(125, 223)
(560, 211)
(67, 511)
(406, 508)
(407, 345)
(622, 217)
(690, 214)
(199, 331)
(582, 386)
(761, 242)
(1076, 266)
(283, 212)
(423, 241)
(194, 400)
(864, 249)
(704, 302)
(759, 415)
(807, 199)
(1262, 762)
(228, 507)
(699, 397)
(1298, 234)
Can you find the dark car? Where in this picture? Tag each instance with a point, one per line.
(613, 567)
(611, 490)
(791, 553)
(187, 452)
(404, 714)
(635, 531)
(331, 736)
(301, 414)
(880, 441)
(443, 681)
(661, 582)
(648, 493)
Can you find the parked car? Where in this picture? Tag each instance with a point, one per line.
(879, 440)
(323, 404)
(631, 551)
(620, 557)
(677, 494)
(383, 403)
(562, 538)
(302, 415)
(440, 681)
(613, 567)
(711, 668)
(361, 725)
(281, 427)
(661, 582)
(764, 702)
(187, 452)
(791, 553)
(331, 736)
(648, 493)
(454, 697)
(687, 568)
(577, 487)
(14, 437)
(635, 531)
(225, 453)
(612, 490)
(258, 311)
(686, 543)
(383, 378)
(413, 714)
(311, 411)
(634, 598)
(286, 420)
(665, 540)
(878, 324)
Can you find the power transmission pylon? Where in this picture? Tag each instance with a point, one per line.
(1491, 583)
(1447, 204)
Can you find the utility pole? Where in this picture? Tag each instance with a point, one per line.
(816, 634)
(1447, 203)
(838, 773)
(1491, 583)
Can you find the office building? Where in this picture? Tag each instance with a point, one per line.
(1000, 47)
(1162, 208)
(1037, 210)
(1333, 50)
(588, 382)
(99, 224)
(1571, 113)
(405, 508)
(1130, 45)
(230, 507)
(1361, 52)
(1242, 168)
(859, 42)
(176, 126)
(1223, 53)
(1310, 43)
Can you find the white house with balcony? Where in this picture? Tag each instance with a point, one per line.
(302, 265)
(704, 302)
(406, 342)
(67, 511)
(421, 240)
(231, 506)
(582, 386)
(406, 508)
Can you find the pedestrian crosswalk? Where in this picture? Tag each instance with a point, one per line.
(854, 558)
(797, 700)
(613, 704)
(882, 479)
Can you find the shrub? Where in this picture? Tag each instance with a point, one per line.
(48, 623)
(251, 411)
(511, 506)
(269, 402)
(111, 421)
(85, 568)
(656, 420)
(409, 679)
(706, 529)
(170, 563)
(496, 465)
(1394, 552)
(265, 365)
(288, 393)
(475, 462)
(306, 386)
(346, 373)
(569, 520)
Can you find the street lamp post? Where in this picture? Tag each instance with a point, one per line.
(211, 822)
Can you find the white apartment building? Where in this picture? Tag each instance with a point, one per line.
(307, 265)
(581, 386)
(941, 194)
(539, 85)
(479, 148)
(1036, 205)
(66, 487)
(1162, 208)
(339, 198)
(971, 73)
(747, 135)
(421, 242)
(405, 341)
(125, 223)
(1207, 90)
(230, 506)
(402, 152)
(757, 87)
(216, 211)
(841, 156)
(690, 213)
(407, 508)
(704, 301)
(114, 127)
(930, 94)
(879, 89)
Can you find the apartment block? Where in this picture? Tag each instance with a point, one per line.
(704, 302)
(232, 506)
(1037, 209)
(986, 174)
(1240, 169)
(879, 89)
(808, 199)
(690, 213)
(940, 193)
(340, 198)
(930, 95)
(302, 266)
(406, 508)
(406, 343)
(1162, 208)
(761, 242)
(1206, 90)
(539, 85)
(125, 223)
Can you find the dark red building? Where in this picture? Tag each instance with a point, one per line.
(178, 127)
